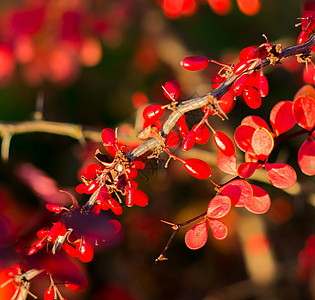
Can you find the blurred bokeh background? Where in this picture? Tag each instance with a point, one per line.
(95, 63)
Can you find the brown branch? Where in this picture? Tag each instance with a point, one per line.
(212, 98)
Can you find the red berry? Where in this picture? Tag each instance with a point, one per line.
(182, 126)
(153, 112)
(54, 207)
(108, 136)
(197, 168)
(141, 198)
(85, 250)
(139, 165)
(32, 250)
(71, 251)
(252, 97)
(171, 90)
(302, 38)
(238, 87)
(217, 80)
(194, 63)
(49, 294)
(57, 229)
(263, 86)
(241, 67)
(91, 187)
(224, 143)
(42, 233)
(130, 196)
(131, 173)
(248, 53)
(220, 7)
(202, 134)
(189, 141)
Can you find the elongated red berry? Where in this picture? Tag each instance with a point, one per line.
(57, 229)
(217, 79)
(194, 63)
(238, 87)
(202, 134)
(189, 141)
(241, 67)
(153, 112)
(85, 250)
(171, 90)
(252, 97)
(263, 86)
(49, 294)
(130, 196)
(302, 38)
(197, 168)
(248, 53)
(182, 126)
(54, 207)
(224, 143)
(108, 136)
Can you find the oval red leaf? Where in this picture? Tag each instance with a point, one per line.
(281, 117)
(243, 138)
(227, 164)
(196, 237)
(239, 191)
(260, 202)
(255, 122)
(218, 228)
(219, 207)
(247, 169)
(304, 112)
(262, 143)
(306, 157)
(280, 175)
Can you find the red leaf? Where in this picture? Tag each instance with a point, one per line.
(227, 164)
(262, 143)
(260, 201)
(243, 138)
(255, 122)
(239, 191)
(196, 237)
(281, 117)
(306, 157)
(218, 228)
(304, 112)
(219, 207)
(280, 175)
(247, 169)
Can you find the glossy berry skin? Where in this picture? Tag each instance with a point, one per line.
(189, 141)
(85, 251)
(197, 168)
(171, 90)
(252, 97)
(263, 86)
(49, 294)
(108, 136)
(240, 67)
(248, 53)
(54, 207)
(182, 126)
(224, 143)
(153, 112)
(194, 63)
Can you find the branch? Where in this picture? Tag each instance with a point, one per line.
(212, 98)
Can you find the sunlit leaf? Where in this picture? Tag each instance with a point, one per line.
(260, 201)
(255, 122)
(243, 138)
(306, 90)
(197, 236)
(262, 143)
(239, 191)
(304, 112)
(281, 175)
(306, 157)
(218, 228)
(247, 169)
(227, 164)
(281, 117)
(219, 207)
